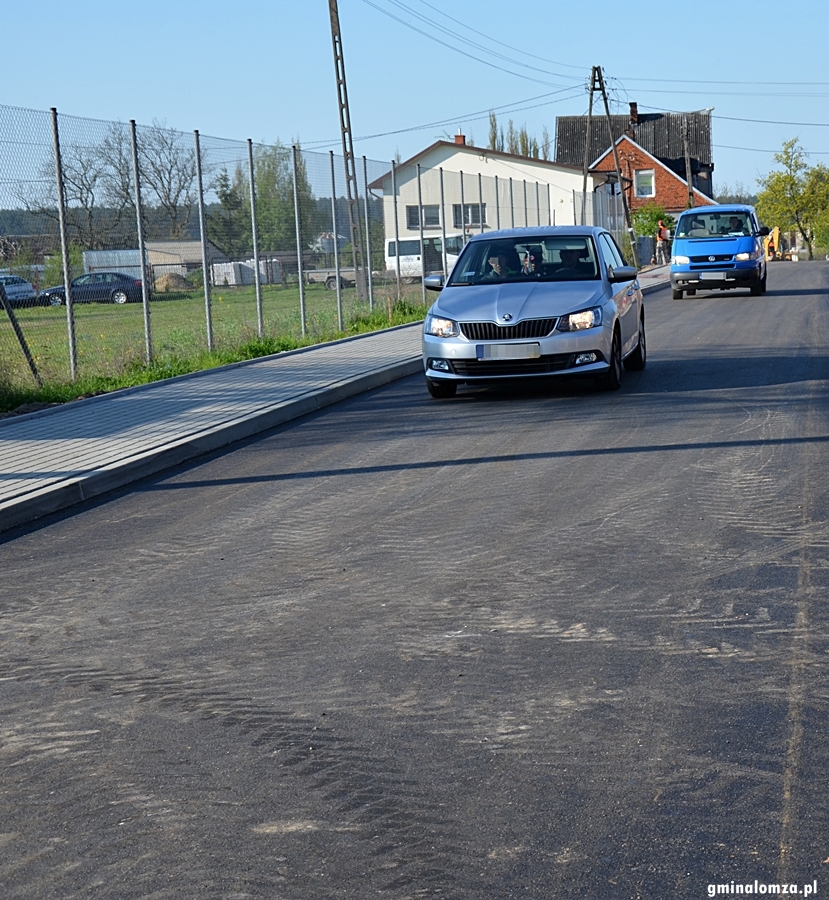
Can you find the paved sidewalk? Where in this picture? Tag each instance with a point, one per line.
(60, 456)
(57, 457)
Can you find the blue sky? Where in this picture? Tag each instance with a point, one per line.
(264, 70)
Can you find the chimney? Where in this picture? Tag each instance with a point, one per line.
(460, 138)
(634, 113)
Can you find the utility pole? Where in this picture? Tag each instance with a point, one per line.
(351, 189)
(689, 177)
(597, 74)
(593, 87)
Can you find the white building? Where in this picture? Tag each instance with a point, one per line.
(470, 189)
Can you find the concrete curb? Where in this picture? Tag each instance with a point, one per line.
(25, 509)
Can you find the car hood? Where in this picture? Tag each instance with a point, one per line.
(518, 300)
(57, 287)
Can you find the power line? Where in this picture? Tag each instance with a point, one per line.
(468, 117)
(478, 59)
(754, 121)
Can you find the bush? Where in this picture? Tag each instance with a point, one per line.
(646, 219)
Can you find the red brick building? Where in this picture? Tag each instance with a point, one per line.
(646, 180)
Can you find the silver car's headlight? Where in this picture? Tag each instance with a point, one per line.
(579, 321)
(680, 260)
(440, 327)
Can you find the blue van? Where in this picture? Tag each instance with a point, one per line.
(718, 248)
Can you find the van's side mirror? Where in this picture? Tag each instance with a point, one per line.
(433, 282)
(764, 232)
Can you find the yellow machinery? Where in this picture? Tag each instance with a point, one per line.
(771, 244)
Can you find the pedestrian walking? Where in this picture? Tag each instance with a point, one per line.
(662, 236)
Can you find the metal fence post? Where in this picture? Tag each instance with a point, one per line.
(497, 206)
(481, 201)
(443, 225)
(422, 246)
(368, 239)
(526, 211)
(204, 254)
(463, 214)
(142, 252)
(300, 271)
(396, 226)
(260, 314)
(550, 216)
(64, 249)
(511, 205)
(336, 244)
(537, 204)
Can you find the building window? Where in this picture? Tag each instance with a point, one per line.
(644, 180)
(471, 214)
(431, 217)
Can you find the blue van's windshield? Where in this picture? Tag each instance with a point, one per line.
(700, 224)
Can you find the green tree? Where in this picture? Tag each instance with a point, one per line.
(53, 266)
(273, 168)
(229, 226)
(517, 140)
(646, 219)
(797, 196)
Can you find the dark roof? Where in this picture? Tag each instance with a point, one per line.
(658, 133)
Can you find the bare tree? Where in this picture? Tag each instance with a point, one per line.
(168, 169)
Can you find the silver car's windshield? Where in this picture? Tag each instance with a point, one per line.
(700, 224)
(502, 260)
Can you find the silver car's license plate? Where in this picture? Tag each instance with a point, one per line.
(508, 351)
(711, 276)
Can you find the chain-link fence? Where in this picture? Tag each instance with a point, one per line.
(124, 244)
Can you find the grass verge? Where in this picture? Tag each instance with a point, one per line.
(16, 397)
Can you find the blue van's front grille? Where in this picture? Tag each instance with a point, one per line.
(728, 257)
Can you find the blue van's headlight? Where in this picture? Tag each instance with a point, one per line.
(742, 257)
(680, 260)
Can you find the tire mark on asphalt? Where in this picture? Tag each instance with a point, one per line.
(369, 792)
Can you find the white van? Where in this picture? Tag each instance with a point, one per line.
(414, 263)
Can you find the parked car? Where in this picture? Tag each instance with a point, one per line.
(535, 302)
(19, 292)
(718, 247)
(96, 287)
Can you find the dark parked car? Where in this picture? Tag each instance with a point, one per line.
(97, 287)
(19, 292)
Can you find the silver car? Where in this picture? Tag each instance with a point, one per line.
(19, 292)
(532, 303)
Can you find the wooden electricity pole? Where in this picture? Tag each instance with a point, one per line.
(593, 87)
(598, 80)
(351, 187)
(688, 173)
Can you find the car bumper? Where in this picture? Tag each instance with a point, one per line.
(463, 360)
(716, 278)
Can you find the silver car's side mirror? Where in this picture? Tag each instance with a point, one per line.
(433, 282)
(622, 273)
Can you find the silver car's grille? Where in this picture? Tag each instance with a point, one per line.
(490, 331)
(502, 368)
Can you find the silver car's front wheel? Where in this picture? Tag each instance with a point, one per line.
(637, 360)
(442, 390)
(611, 380)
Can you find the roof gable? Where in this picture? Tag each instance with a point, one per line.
(624, 139)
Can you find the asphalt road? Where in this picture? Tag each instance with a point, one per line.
(541, 644)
